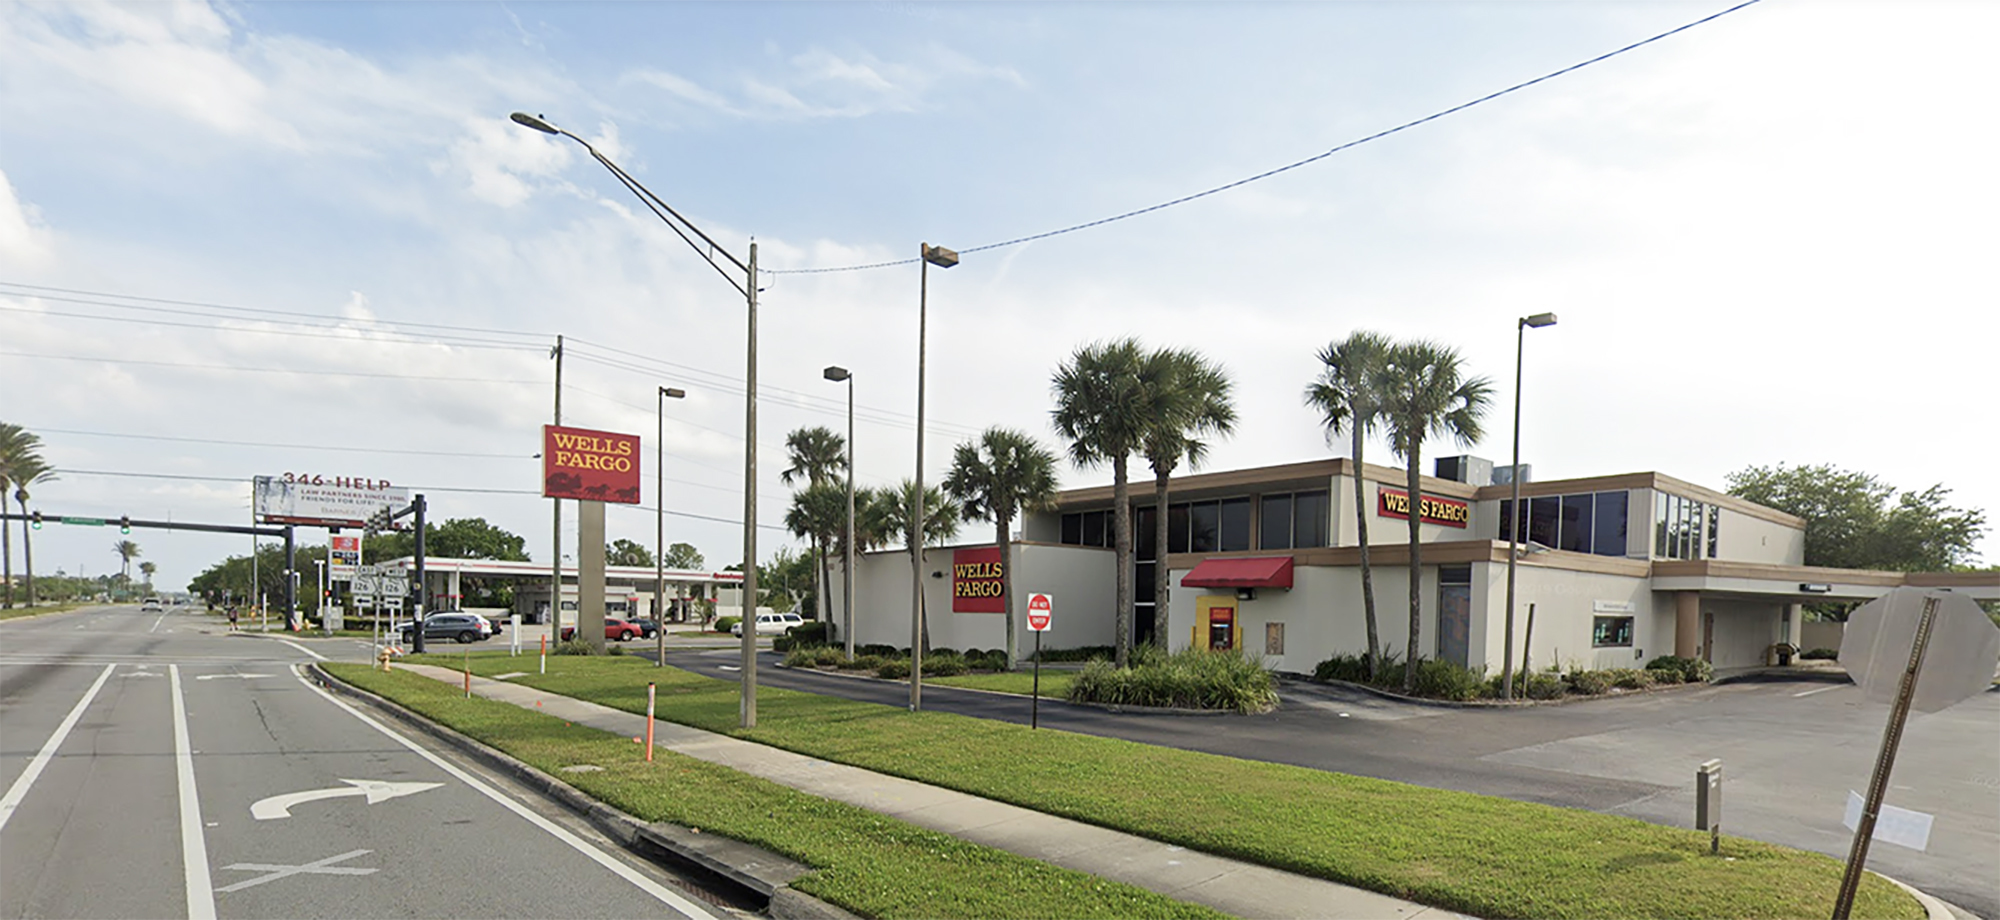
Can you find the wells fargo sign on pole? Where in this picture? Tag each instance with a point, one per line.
(1449, 512)
(595, 466)
(975, 581)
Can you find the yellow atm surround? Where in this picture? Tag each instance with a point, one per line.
(1215, 623)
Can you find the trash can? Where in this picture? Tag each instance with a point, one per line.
(1784, 652)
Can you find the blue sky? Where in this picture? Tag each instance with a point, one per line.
(1768, 237)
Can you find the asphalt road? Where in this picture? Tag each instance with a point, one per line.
(1791, 751)
(156, 768)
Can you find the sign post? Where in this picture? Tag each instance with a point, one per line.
(1041, 611)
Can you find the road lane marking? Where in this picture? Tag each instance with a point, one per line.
(1820, 690)
(19, 790)
(659, 892)
(316, 656)
(230, 676)
(280, 806)
(156, 623)
(194, 843)
(316, 867)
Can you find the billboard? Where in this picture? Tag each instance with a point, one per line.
(322, 501)
(595, 466)
(975, 580)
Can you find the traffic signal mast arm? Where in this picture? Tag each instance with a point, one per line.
(37, 517)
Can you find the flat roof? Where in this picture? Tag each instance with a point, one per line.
(502, 568)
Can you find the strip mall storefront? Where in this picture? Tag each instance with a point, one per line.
(1614, 570)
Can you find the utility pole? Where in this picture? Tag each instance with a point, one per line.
(555, 552)
(747, 708)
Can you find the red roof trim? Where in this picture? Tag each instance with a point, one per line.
(1266, 572)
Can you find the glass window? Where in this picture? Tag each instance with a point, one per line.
(1576, 523)
(1093, 529)
(1072, 529)
(1543, 513)
(1454, 574)
(1235, 524)
(1660, 543)
(1608, 524)
(1676, 527)
(1689, 517)
(1275, 530)
(1611, 631)
(1142, 582)
(1714, 524)
(1309, 519)
(1205, 523)
(1177, 529)
(1145, 532)
(1506, 518)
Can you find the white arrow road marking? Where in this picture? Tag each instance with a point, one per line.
(280, 806)
(316, 867)
(216, 676)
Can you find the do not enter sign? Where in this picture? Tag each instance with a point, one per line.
(1040, 612)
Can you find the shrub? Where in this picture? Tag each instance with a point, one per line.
(816, 656)
(726, 624)
(863, 663)
(1590, 683)
(574, 647)
(805, 635)
(1630, 678)
(1667, 676)
(880, 651)
(941, 652)
(1350, 668)
(1193, 678)
(943, 663)
(1822, 654)
(1542, 686)
(1080, 653)
(614, 650)
(893, 669)
(1693, 670)
(1448, 680)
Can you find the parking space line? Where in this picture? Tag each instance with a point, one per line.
(1820, 690)
(659, 892)
(194, 842)
(19, 790)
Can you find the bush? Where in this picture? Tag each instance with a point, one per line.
(726, 624)
(574, 647)
(1544, 686)
(943, 663)
(893, 669)
(1822, 654)
(1350, 668)
(1693, 670)
(1448, 680)
(614, 650)
(862, 663)
(1667, 676)
(805, 635)
(816, 656)
(880, 651)
(1194, 678)
(1081, 653)
(1590, 683)
(1630, 678)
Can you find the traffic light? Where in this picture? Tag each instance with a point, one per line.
(124, 523)
(35, 519)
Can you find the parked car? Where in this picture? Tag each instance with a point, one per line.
(621, 630)
(773, 623)
(462, 627)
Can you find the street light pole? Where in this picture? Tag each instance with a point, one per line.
(942, 258)
(719, 259)
(660, 527)
(838, 374)
(555, 519)
(1515, 517)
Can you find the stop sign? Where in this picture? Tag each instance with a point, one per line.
(1040, 612)
(1958, 660)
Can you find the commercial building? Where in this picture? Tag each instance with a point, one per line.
(1613, 570)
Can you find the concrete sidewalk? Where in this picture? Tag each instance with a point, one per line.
(1237, 888)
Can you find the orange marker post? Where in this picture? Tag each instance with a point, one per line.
(649, 723)
(545, 654)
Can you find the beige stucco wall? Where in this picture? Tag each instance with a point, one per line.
(1322, 613)
(1744, 630)
(1566, 605)
(1742, 538)
(1079, 579)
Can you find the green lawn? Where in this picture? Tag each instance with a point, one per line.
(13, 613)
(1485, 856)
(1055, 684)
(872, 865)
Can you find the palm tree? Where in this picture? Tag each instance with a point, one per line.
(817, 454)
(941, 514)
(1425, 392)
(1190, 398)
(15, 441)
(1348, 397)
(1003, 474)
(23, 470)
(1103, 410)
(127, 551)
(819, 513)
(147, 569)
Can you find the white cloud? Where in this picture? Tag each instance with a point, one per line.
(25, 241)
(819, 83)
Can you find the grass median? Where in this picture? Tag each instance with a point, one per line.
(1481, 855)
(1055, 684)
(867, 863)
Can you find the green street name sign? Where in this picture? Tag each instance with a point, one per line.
(86, 522)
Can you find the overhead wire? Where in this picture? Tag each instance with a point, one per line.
(263, 310)
(268, 370)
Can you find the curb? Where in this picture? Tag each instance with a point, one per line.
(1566, 700)
(1935, 908)
(743, 864)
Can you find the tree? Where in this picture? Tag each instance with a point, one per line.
(1425, 393)
(15, 442)
(1854, 520)
(819, 514)
(626, 552)
(941, 514)
(684, 557)
(1348, 397)
(21, 466)
(127, 551)
(457, 538)
(1189, 398)
(1001, 475)
(816, 454)
(1103, 411)
(147, 569)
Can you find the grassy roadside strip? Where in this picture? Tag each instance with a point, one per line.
(15, 613)
(1055, 684)
(1481, 855)
(867, 863)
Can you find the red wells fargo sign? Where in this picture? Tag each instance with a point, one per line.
(594, 466)
(975, 580)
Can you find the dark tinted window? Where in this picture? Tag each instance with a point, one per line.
(1145, 532)
(1454, 574)
(1235, 524)
(1072, 529)
(1543, 515)
(1177, 529)
(1275, 530)
(1205, 519)
(1093, 529)
(1714, 524)
(1576, 523)
(1507, 519)
(1608, 524)
(1142, 582)
(1309, 512)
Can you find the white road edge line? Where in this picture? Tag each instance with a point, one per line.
(194, 843)
(156, 623)
(316, 656)
(19, 790)
(1811, 692)
(660, 892)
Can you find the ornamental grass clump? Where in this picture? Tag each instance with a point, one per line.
(1193, 678)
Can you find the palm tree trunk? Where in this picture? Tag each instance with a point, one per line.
(27, 548)
(1416, 569)
(1161, 577)
(1006, 581)
(7, 552)
(1121, 546)
(1361, 510)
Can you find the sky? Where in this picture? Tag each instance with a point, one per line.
(242, 239)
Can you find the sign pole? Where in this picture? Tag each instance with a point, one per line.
(1035, 707)
(1885, 760)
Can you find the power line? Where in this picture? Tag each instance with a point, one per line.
(1434, 116)
(261, 310)
(363, 450)
(268, 370)
(290, 332)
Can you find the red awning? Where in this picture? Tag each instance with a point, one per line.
(1268, 572)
